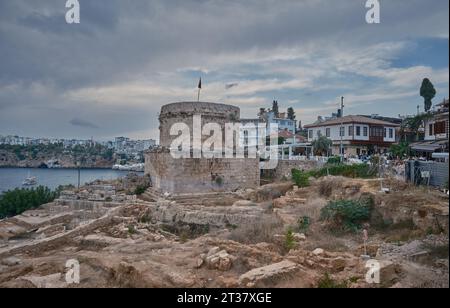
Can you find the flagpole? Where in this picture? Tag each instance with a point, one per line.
(199, 89)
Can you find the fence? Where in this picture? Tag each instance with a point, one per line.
(427, 173)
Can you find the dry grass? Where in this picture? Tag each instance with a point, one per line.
(311, 209)
(261, 232)
(326, 241)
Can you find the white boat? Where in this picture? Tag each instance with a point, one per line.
(30, 181)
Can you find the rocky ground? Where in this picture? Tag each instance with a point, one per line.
(241, 241)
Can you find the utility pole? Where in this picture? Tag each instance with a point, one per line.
(342, 130)
(79, 171)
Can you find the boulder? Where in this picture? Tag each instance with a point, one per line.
(218, 259)
(299, 237)
(318, 252)
(270, 272)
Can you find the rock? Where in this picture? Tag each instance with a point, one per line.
(213, 251)
(318, 252)
(12, 261)
(219, 260)
(299, 237)
(244, 203)
(270, 272)
(389, 273)
(51, 281)
(338, 264)
(200, 262)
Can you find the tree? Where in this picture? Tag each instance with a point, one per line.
(322, 145)
(17, 201)
(275, 109)
(261, 112)
(400, 150)
(415, 123)
(291, 114)
(428, 92)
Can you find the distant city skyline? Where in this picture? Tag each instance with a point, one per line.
(109, 75)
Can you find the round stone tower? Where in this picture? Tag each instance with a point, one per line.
(183, 112)
(190, 175)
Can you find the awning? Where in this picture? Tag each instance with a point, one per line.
(424, 147)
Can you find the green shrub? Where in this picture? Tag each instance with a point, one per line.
(289, 241)
(132, 229)
(15, 202)
(303, 224)
(140, 190)
(326, 282)
(351, 171)
(334, 160)
(347, 215)
(300, 178)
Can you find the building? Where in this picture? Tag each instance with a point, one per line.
(436, 128)
(198, 174)
(360, 135)
(282, 121)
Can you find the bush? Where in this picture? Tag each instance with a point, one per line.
(347, 214)
(334, 160)
(351, 171)
(140, 190)
(289, 241)
(303, 224)
(15, 202)
(326, 282)
(300, 178)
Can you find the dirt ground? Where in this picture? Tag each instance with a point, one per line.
(132, 246)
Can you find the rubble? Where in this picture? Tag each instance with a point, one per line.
(260, 275)
(187, 242)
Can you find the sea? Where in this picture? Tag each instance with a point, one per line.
(11, 178)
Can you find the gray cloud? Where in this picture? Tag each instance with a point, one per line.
(126, 42)
(82, 123)
(231, 85)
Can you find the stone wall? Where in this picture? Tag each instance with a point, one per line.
(183, 113)
(284, 168)
(181, 176)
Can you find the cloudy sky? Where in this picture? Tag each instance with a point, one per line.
(110, 74)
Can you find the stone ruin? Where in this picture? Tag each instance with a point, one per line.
(171, 176)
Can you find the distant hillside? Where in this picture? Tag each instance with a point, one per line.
(55, 155)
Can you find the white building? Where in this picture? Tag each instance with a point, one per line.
(360, 135)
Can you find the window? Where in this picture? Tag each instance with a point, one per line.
(350, 130)
(319, 133)
(391, 133)
(328, 132)
(365, 131)
(358, 130)
(310, 134)
(342, 131)
(430, 129)
(385, 133)
(439, 128)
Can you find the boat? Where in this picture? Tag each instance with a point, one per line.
(30, 181)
